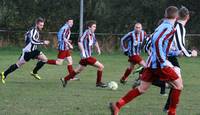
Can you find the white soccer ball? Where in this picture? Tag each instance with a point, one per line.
(194, 53)
(113, 85)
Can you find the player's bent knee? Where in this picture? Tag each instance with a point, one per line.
(142, 89)
(179, 87)
(101, 68)
(70, 63)
(20, 63)
(44, 59)
(59, 62)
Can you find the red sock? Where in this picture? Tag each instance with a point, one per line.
(53, 62)
(128, 97)
(127, 73)
(99, 76)
(70, 68)
(71, 75)
(175, 94)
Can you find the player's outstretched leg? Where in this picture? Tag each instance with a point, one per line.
(67, 78)
(8, 71)
(124, 78)
(133, 93)
(128, 71)
(3, 78)
(115, 107)
(70, 68)
(71, 75)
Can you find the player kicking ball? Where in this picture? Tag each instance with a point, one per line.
(30, 51)
(86, 42)
(131, 45)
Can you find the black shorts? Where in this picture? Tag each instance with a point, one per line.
(30, 55)
(174, 61)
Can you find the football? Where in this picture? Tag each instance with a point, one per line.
(194, 53)
(113, 85)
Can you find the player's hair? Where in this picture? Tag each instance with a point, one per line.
(138, 23)
(171, 12)
(183, 13)
(90, 23)
(39, 19)
(69, 18)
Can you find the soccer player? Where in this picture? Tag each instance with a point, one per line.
(131, 44)
(64, 46)
(30, 51)
(157, 65)
(178, 46)
(158, 82)
(86, 42)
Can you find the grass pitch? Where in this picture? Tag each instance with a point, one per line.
(24, 95)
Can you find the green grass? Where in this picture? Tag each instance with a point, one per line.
(23, 95)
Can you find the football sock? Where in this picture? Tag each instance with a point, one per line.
(52, 62)
(127, 73)
(99, 76)
(160, 84)
(175, 94)
(70, 68)
(39, 65)
(10, 69)
(71, 75)
(168, 100)
(128, 97)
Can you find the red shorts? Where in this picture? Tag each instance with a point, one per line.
(88, 61)
(164, 74)
(63, 54)
(135, 59)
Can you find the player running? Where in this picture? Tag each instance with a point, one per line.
(131, 44)
(30, 51)
(86, 42)
(64, 46)
(178, 46)
(157, 65)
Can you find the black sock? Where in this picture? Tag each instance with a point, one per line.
(39, 65)
(10, 69)
(158, 83)
(168, 100)
(162, 90)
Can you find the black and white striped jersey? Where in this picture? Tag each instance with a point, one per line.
(147, 46)
(32, 40)
(179, 39)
